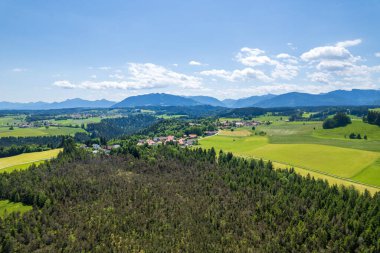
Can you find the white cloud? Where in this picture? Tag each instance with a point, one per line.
(377, 54)
(238, 74)
(349, 43)
(195, 63)
(141, 76)
(319, 77)
(327, 53)
(283, 56)
(254, 57)
(334, 65)
(285, 71)
(64, 84)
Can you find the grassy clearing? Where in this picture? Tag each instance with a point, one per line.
(13, 161)
(293, 144)
(332, 180)
(20, 167)
(272, 118)
(42, 131)
(357, 127)
(229, 119)
(7, 207)
(342, 162)
(165, 116)
(79, 122)
(236, 132)
(10, 120)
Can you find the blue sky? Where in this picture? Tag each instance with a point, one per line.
(54, 50)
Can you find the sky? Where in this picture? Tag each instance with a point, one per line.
(113, 49)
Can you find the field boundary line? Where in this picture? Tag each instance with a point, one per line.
(317, 171)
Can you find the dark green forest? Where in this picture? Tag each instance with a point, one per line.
(117, 127)
(169, 199)
(373, 117)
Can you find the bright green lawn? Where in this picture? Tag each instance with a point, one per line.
(42, 131)
(7, 207)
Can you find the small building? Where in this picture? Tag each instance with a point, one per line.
(193, 136)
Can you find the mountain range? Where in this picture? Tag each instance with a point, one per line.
(354, 97)
(69, 103)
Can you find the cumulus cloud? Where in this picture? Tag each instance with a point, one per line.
(141, 76)
(285, 71)
(377, 54)
(64, 84)
(326, 53)
(254, 57)
(238, 74)
(196, 63)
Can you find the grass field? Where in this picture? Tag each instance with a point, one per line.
(10, 120)
(309, 148)
(42, 131)
(7, 207)
(79, 122)
(23, 161)
(357, 127)
(236, 132)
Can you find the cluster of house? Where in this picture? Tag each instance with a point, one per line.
(96, 148)
(186, 140)
(234, 123)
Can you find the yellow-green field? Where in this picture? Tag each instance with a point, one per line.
(23, 161)
(7, 207)
(41, 131)
(308, 147)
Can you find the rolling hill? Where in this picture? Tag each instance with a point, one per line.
(334, 98)
(156, 99)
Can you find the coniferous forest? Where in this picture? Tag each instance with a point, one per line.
(168, 199)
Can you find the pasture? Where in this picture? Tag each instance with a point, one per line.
(9, 164)
(308, 147)
(77, 122)
(7, 207)
(41, 131)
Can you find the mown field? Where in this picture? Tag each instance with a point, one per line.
(7, 207)
(23, 161)
(41, 131)
(309, 147)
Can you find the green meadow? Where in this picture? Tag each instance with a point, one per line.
(77, 122)
(7, 207)
(41, 131)
(326, 154)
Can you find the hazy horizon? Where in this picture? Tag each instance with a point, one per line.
(116, 49)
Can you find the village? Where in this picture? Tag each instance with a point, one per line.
(184, 141)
